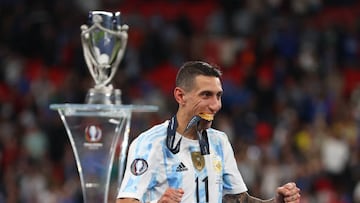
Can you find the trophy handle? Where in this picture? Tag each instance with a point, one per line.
(91, 62)
(123, 37)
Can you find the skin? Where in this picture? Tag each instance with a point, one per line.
(205, 97)
(289, 193)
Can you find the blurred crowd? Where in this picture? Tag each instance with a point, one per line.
(291, 88)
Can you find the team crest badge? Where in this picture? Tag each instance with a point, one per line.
(217, 165)
(198, 160)
(139, 166)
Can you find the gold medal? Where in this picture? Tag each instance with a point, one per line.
(198, 160)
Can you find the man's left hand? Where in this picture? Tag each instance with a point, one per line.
(288, 193)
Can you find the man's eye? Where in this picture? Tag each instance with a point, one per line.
(207, 94)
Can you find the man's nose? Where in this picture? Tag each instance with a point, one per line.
(215, 104)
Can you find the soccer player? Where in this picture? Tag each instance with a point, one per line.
(185, 160)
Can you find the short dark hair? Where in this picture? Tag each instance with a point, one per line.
(189, 70)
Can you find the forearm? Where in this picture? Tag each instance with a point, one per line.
(244, 198)
(130, 200)
(127, 200)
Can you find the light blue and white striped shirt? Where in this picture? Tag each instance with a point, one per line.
(152, 168)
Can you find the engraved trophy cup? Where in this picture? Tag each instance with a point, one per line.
(96, 127)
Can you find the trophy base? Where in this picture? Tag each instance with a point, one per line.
(103, 96)
(95, 131)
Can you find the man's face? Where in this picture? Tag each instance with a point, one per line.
(204, 97)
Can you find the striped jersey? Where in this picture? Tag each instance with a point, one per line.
(152, 168)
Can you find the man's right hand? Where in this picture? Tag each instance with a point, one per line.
(171, 195)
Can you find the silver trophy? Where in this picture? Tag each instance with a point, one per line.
(101, 125)
(104, 42)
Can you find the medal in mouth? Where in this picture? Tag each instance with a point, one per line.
(201, 134)
(206, 116)
(196, 119)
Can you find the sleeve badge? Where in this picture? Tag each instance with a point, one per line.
(138, 167)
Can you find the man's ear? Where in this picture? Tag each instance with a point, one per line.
(179, 95)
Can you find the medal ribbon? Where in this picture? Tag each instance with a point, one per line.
(170, 138)
(171, 132)
(203, 142)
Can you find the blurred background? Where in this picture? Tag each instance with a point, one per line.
(291, 79)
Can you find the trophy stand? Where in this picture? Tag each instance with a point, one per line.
(94, 128)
